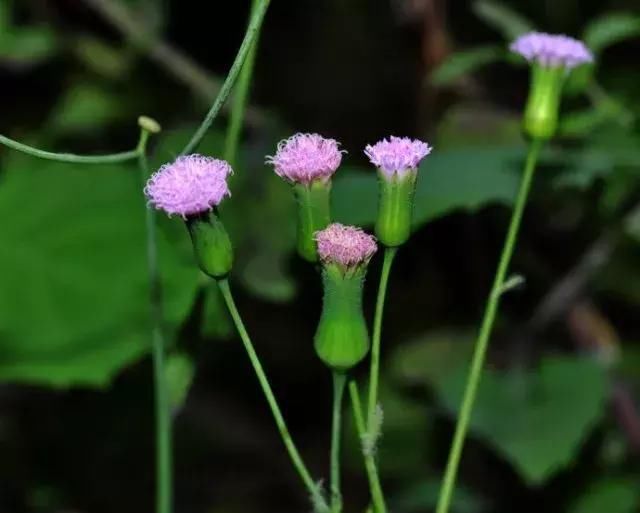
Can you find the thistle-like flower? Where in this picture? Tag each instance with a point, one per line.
(307, 162)
(397, 156)
(552, 58)
(192, 187)
(341, 339)
(397, 160)
(552, 50)
(304, 158)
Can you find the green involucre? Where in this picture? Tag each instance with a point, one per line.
(395, 208)
(543, 106)
(314, 214)
(211, 244)
(342, 340)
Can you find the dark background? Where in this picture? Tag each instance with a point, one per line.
(357, 71)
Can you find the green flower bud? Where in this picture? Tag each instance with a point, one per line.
(313, 203)
(342, 339)
(211, 244)
(395, 207)
(543, 106)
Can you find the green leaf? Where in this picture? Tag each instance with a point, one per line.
(505, 20)
(179, 373)
(423, 496)
(611, 29)
(74, 305)
(28, 45)
(538, 419)
(216, 322)
(610, 495)
(465, 62)
(450, 180)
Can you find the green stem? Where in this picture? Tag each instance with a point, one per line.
(70, 157)
(339, 381)
(377, 497)
(482, 342)
(239, 100)
(296, 459)
(236, 67)
(164, 479)
(389, 254)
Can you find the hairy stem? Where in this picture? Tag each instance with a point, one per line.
(296, 459)
(339, 381)
(236, 67)
(389, 255)
(164, 479)
(377, 497)
(491, 309)
(70, 157)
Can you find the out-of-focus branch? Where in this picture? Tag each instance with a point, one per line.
(182, 67)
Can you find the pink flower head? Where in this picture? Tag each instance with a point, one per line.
(345, 245)
(190, 185)
(304, 158)
(398, 155)
(551, 50)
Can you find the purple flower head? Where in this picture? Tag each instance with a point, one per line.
(551, 50)
(398, 155)
(190, 185)
(345, 245)
(304, 158)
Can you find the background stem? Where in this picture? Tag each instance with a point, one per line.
(377, 497)
(245, 47)
(164, 478)
(339, 381)
(482, 342)
(389, 254)
(296, 459)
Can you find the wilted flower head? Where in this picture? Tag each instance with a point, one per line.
(398, 155)
(345, 245)
(551, 50)
(190, 185)
(306, 157)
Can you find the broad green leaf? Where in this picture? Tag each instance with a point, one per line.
(505, 20)
(610, 496)
(536, 419)
(74, 288)
(27, 45)
(448, 180)
(465, 62)
(611, 29)
(422, 495)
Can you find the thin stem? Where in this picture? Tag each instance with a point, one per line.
(164, 479)
(70, 157)
(239, 100)
(482, 342)
(377, 497)
(389, 254)
(296, 459)
(236, 67)
(339, 381)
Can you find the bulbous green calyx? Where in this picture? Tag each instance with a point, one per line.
(342, 340)
(211, 244)
(543, 105)
(395, 207)
(314, 214)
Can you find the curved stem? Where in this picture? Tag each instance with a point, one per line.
(239, 100)
(389, 254)
(245, 47)
(482, 342)
(164, 484)
(377, 497)
(339, 381)
(296, 459)
(70, 157)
